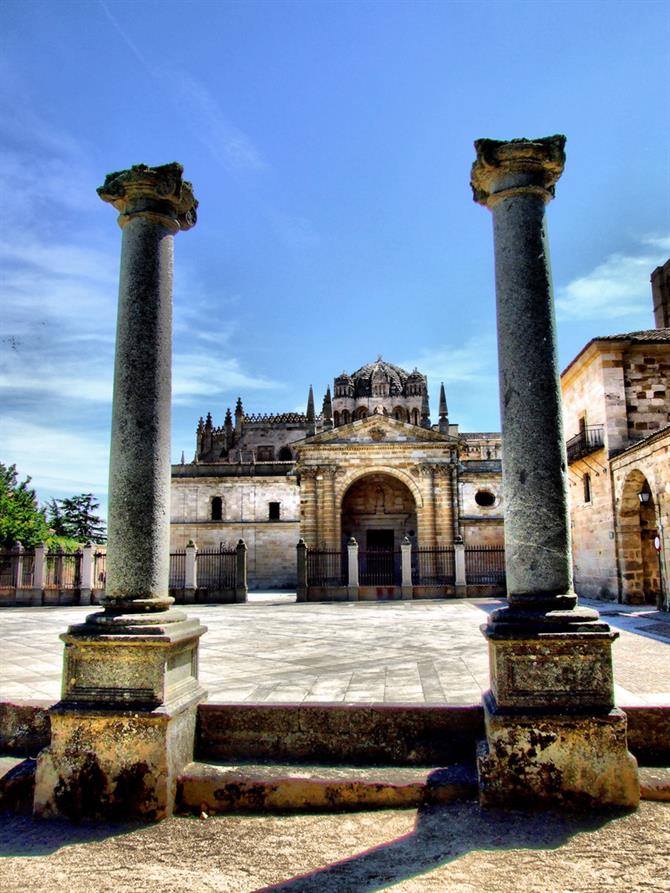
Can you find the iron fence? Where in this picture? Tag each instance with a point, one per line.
(17, 567)
(433, 566)
(99, 570)
(63, 570)
(216, 569)
(379, 567)
(485, 564)
(327, 567)
(178, 569)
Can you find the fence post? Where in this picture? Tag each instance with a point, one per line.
(301, 550)
(19, 597)
(39, 575)
(352, 587)
(406, 568)
(87, 569)
(190, 572)
(460, 580)
(241, 588)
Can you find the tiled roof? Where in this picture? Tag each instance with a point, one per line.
(644, 335)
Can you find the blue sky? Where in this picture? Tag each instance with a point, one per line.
(329, 145)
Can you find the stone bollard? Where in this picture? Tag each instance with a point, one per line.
(352, 562)
(241, 587)
(190, 572)
(460, 580)
(87, 571)
(124, 727)
(406, 568)
(553, 735)
(301, 556)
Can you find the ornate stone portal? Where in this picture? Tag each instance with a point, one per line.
(125, 725)
(552, 730)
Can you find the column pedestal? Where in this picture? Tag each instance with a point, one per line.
(125, 725)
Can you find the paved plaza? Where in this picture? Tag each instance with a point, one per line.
(272, 650)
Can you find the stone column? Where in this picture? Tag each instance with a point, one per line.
(190, 572)
(39, 574)
(124, 727)
(241, 587)
(301, 558)
(352, 567)
(460, 580)
(406, 568)
(553, 734)
(87, 571)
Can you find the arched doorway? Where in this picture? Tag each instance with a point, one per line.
(379, 511)
(638, 531)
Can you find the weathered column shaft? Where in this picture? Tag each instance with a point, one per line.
(139, 478)
(537, 529)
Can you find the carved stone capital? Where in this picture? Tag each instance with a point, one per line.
(156, 193)
(506, 168)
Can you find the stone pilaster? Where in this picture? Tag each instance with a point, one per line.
(553, 733)
(309, 525)
(124, 727)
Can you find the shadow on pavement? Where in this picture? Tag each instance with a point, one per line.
(441, 835)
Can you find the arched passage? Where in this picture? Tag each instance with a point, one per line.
(378, 510)
(638, 530)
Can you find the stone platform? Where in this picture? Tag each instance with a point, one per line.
(272, 650)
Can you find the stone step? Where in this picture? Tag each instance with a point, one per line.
(654, 783)
(209, 788)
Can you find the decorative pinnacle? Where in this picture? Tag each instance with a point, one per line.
(310, 405)
(238, 407)
(508, 167)
(443, 411)
(328, 405)
(228, 422)
(157, 193)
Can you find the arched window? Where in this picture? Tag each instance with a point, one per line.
(415, 416)
(336, 419)
(361, 413)
(586, 481)
(217, 508)
(285, 454)
(346, 418)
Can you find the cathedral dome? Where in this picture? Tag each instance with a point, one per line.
(374, 376)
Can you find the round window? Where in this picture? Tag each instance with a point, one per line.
(484, 498)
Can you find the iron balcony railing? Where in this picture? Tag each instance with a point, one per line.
(589, 440)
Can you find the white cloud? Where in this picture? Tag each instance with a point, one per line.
(59, 462)
(198, 375)
(617, 287)
(475, 361)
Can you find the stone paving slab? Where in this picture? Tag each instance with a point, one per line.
(272, 650)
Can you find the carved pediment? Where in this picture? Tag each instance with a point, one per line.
(376, 429)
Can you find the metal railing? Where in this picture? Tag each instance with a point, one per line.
(216, 568)
(589, 440)
(327, 567)
(485, 564)
(433, 567)
(63, 570)
(379, 567)
(99, 570)
(13, 562)
(178, 569)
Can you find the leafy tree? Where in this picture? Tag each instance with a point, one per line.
(20, 518)
(75, 517)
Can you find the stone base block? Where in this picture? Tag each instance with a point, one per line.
(113, 765)
(558, 759)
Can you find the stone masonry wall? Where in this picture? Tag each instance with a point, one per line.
(647, 378)
(271, 544)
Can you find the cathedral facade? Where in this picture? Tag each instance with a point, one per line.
(370, 466)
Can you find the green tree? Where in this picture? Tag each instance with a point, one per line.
(75, 518)
(20, 518)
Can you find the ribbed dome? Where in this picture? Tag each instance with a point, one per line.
(379, 371)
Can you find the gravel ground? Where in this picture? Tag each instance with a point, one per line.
(456, 847)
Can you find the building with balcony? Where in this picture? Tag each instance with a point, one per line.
(616, 405)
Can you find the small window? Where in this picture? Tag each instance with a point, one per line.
(273, 514)
(484, 498)
(265, 454)
(586, 480)
(217, 508)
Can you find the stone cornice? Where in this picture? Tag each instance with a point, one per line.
(155, 193)
(504, 168)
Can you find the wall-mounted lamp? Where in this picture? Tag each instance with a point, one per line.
(644, 497)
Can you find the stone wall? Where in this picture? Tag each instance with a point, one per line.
(271, 558)
(647, 374)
